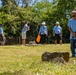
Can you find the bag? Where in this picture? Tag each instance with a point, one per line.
(38, 38)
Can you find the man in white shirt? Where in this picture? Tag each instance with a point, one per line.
(24, 30)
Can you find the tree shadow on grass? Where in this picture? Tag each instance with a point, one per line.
(20, 72)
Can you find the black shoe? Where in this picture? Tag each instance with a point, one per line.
(72, 57)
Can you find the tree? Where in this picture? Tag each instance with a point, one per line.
(14, 12)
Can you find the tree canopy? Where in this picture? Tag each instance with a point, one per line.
(13, 13)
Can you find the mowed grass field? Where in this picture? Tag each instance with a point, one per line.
(26, 60)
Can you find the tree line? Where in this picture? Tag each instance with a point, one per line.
(13, 14)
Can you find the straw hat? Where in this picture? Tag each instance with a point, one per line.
(74, 11)
(57, 23)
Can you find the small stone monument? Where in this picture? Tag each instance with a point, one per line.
(57, 56)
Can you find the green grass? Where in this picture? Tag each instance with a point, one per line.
(26, 60)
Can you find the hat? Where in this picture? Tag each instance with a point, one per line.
(43, 23)
(57, 22)
(0, 25)
(74, 11)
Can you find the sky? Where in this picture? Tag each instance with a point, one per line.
(33, 1)
(40, 0)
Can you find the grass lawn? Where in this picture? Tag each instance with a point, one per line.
(26, 60)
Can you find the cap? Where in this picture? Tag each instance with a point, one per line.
(0, 25)
(43, 23)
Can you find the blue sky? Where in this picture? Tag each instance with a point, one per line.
(33, 1)
(41, 0)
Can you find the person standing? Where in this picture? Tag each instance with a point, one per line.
(24, 30)
(72, 29)
(43, 33)
(57, 33)
(2, 37)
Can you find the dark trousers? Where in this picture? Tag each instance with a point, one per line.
(73, 47)
(1, 38)
(43, 39)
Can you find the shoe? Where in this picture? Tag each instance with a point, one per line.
(72, 57)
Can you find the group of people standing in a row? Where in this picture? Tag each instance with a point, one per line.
(43, 31)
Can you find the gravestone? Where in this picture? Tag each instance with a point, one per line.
(47, 56)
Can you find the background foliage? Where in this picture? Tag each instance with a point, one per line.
(13, 14)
